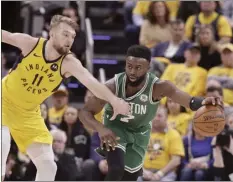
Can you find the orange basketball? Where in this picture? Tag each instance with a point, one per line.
(209, 120)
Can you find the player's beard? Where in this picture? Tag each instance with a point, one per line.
(61, 50)
(137, 82)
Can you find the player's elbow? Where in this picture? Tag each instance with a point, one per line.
(168, 88)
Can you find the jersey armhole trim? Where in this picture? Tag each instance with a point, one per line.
(32, 48)
(151, 91)
(61, 64)
(116, 84)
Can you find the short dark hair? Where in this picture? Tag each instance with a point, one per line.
(176, 22)
(213, 89)
(139, 51)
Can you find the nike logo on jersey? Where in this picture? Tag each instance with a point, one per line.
(36, 55)
(143, 133)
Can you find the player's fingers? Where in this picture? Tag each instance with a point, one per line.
(213, 101)
(107, 146)
(113, 141)
(219, 102)
(102, 144)
(113, 116)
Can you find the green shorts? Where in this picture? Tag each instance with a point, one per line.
(134, 144)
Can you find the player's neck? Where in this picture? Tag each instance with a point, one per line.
(50, 52)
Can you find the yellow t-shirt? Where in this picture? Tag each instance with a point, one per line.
(55, 116)
(189, 79)
(33, 79)
(99, 116)
(180, 122)
(221, 71)
(161, 147)
(142, 8)
(223, 27)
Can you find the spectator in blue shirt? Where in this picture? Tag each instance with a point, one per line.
(198, 157)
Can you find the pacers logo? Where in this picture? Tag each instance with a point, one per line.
(54, 67)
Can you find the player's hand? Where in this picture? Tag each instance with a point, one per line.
(147, 175)
(120, 107)
(156, 177)
(212, 101)
(108, 138)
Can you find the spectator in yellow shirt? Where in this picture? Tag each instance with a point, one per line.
(155, 28)
(224, 74)
(142, 7)
(59, 101)
(164, 151)
(208, 15)
(178, 118)
(188, 76)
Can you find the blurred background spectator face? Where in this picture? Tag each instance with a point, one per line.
(192, 56)
(206, 35)
(59, 141)
(177, 30)
(60, 100)
(208, 6)
(173, 107)
(71, 115)
(227, 57)
(159, 9)
(44, 111)
(160, 121)
(71, 13)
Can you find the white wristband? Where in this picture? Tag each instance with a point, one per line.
(160, 173)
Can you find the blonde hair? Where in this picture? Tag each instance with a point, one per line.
(57, 133)
(57, 19)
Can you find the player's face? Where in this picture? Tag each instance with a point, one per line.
(160, 120)
(227, 57)
(172, 106)
(71, 115)
(136, 70)
(44, 111)
(63, 37)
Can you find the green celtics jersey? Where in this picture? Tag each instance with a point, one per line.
(143, 109)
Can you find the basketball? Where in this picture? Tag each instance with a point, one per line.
(209, 120)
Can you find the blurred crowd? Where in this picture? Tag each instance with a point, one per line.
(192, 46)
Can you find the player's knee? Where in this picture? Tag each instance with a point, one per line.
(6, 140)
(45, 162)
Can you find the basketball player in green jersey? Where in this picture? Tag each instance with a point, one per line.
(143, 91)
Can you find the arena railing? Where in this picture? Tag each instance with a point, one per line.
(89, 46)
(26, 12)
(102, 75)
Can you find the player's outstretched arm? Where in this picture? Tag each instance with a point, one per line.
(72, 66)
(22, 41)
(165, 88)
(93, 106)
